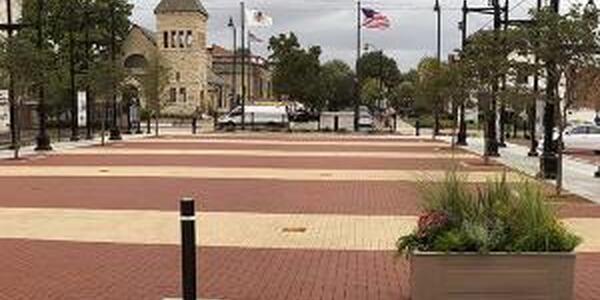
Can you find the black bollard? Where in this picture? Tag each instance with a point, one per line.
(417, 128)
(194, 125)
(597, 173)
(188, 248)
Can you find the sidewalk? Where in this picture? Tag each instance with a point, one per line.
(578, 175)
(66, 145)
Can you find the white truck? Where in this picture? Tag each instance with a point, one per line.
(255, 116)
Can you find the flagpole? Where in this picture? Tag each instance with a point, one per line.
(357, 81)
(243, 18)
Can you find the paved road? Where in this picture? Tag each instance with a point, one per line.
(101, 223)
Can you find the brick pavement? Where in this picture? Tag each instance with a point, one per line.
(76, 270)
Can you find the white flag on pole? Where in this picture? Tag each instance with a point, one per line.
(258, 18)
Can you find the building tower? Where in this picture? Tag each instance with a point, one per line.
(181, 40)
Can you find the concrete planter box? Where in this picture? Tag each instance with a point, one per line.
(495, 276)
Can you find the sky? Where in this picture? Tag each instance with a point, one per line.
(331, 24)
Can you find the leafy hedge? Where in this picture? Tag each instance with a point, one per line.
(496, 218)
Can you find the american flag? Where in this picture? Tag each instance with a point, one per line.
(375, 20)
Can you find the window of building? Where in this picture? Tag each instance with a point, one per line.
(180, 39)
(183, 94)
(189, 39)
(173, 39)
(177, 76)
(166, 39)
(173, 95)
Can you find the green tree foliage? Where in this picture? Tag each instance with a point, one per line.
(338, 84)
(154, 82)
(430, 86)
(402, 96)
(378, 65)
(296, 70)
(370, 92)
(65, 24)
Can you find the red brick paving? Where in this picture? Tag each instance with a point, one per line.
(292, 148)
(256, 162)
(33, 270)
(62, 270)
(268, 196)
(242, 195)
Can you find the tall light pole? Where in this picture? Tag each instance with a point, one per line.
(72, 90)
(42, 140)
(115, 131)
(549, 158)
(462, 127)
(231, 25)
(357, 101)
(243, 18)
(436, 109)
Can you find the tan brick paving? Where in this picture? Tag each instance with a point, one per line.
(249, 173)
(246, 230)
(267, 153)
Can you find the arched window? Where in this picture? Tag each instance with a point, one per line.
(135, 61)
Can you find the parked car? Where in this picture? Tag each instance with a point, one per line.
(365, 120)
(271, 116)
(580, 138)
(303, 116)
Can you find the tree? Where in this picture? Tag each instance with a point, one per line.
(296, 70)
(380, 66)
(337, 79)
(565, 46)
(402, 97)
(154, 82)
(485, 60)
(431, 82)
(370, 92)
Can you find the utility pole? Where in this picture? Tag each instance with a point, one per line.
(243, 18)
(42, 140)
(549, 158)
(502, 115)
(115, 131)
(357, 101)
(462, 127)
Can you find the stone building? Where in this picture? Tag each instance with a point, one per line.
(257, 70)
(180, 41)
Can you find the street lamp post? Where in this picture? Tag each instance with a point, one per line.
(42, 140)
(231, 25)
(72, 90)
(549, 158)
(462, 127)
(436, 109)
(115, 132)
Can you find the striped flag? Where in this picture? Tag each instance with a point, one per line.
(253, 38)
(375, 19)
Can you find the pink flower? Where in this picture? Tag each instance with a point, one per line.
(431, 222)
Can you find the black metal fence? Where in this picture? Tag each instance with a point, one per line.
(59, 124)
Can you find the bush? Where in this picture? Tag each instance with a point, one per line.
(496, 218)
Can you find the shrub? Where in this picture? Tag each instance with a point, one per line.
(496, 218)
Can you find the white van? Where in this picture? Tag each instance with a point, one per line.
(271, 116)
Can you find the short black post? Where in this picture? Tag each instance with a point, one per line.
(597, 173)
(395, 128)
(336, 123)
(194, 125)
(252, 120)
(417, 128)
(188, 248)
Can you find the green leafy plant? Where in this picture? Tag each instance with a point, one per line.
(499, 217)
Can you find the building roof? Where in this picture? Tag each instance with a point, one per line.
(149, 34)
(215, 79)
(170, 6)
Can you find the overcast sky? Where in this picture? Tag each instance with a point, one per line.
(332, 24)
